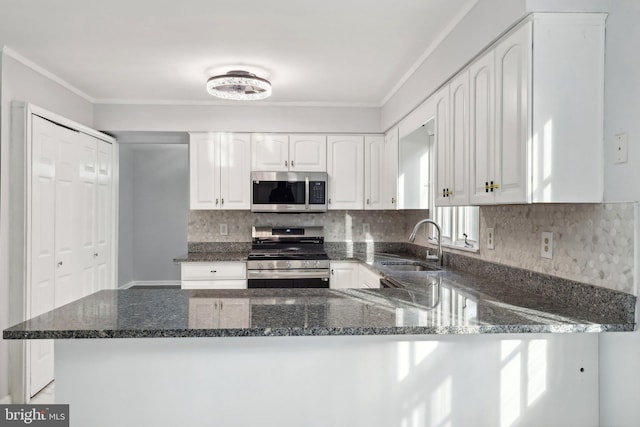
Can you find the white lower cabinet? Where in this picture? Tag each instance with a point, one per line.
(214, 275)
(210, 313)
(352, 274)
(367, 278)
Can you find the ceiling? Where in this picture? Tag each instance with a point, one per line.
(329, 52)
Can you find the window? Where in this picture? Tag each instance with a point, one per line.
(459, 226)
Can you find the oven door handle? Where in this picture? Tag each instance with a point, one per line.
(306, 192)
(309, 273)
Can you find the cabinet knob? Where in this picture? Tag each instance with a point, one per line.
(393, 200)
(292, 163)
(332, 272)
(222, 202)
(285, 163)
(60, 264)
(95, 254)
(216, 202)
(329, 201)
(214, 271)
(367, 201)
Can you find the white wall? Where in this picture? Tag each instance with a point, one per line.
(242, 118)
(154, 211)
(484, 22)
(21, 83)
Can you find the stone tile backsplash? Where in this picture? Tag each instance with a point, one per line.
(593, 243)
(339, 226)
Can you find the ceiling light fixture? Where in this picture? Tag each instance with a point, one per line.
(239, 85)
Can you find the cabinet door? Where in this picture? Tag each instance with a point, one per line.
(269, 152)
(390, 170)
(459, 140)
(441, 133)
(344, 275)
(234, 313)
(308, 153)
(482, 128)
(367, 278)
(513, 64)
(204, 171)
(374, 169)
(345, 167)
(234, 170)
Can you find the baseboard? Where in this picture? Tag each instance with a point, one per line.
(143, 283)
(6, 400)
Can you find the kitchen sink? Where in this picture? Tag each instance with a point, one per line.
(409, 266)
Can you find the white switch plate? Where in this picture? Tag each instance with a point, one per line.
(224, 230)
(621, 148)
(365, 228)
(490, 238)
(546, 245)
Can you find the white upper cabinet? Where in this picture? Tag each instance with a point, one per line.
(452, 142)
(537, 112)
(482, 129)
(381, 171)
(270, 152)
(281, 153)
(219, 171)
(345, 167)
(308, 153)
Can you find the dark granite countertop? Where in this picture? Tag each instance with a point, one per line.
(212, 256)
(445, 302)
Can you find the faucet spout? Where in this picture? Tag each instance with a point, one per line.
(412, 237)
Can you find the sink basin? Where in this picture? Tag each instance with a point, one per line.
(409, 266)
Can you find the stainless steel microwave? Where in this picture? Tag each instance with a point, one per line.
(288, 191)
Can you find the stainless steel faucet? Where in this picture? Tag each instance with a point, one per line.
(412, 238)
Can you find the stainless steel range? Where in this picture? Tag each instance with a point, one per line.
(287, 257)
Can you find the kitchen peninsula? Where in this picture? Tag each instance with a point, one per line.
(375, 357)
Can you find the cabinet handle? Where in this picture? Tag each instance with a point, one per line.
(393, 200)
(216, 202)
(292, 165)
(367, 201)
(95, 254)
(329, 201)
(222, 202)
(214, 271)
(332, 272)
(486, 187)
(285, 163)
(60, 264)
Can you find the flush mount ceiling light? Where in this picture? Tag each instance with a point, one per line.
(239, 85)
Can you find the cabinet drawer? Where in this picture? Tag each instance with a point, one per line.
(214, 284)
(213, 270)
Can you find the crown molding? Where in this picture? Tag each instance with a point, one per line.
(48, 74)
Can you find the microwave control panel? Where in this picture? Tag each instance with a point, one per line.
(317, 192)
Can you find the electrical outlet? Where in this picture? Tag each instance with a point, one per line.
(224, 230)
(546, 245)
(365, 228)
(621, 148)
(490, 238)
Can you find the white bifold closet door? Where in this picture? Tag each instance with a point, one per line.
(70, 226)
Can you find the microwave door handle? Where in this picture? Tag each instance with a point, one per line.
(306, 192)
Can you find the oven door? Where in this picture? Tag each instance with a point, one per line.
(290, 278)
